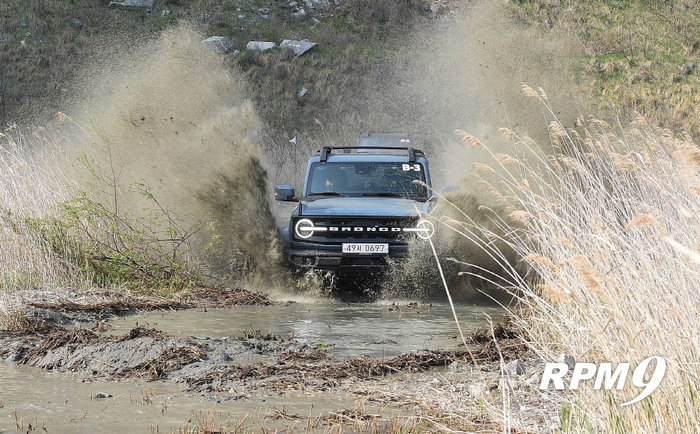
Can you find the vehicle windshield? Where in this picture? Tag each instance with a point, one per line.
(367, 179)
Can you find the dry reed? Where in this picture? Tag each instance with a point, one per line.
(29, 189)
(612, 235)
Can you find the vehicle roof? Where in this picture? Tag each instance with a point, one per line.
(379, 158)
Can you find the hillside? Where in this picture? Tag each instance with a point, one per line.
(635, 56)
(47, 46)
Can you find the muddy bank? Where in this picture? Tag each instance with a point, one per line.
(305, 356)
(228, 367)
(70, 306)
(74, 331)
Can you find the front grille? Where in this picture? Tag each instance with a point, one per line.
(380, 229)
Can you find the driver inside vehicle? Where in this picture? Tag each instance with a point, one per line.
(336, 180)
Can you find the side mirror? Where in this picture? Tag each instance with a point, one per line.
(284, 192)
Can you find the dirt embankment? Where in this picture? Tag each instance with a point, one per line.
(74, 336)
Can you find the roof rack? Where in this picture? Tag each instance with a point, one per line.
(411, 152)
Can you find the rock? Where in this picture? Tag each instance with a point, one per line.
(477, 389)
(6, 37)
(298, 47)
(534, 379)
(101, 395)
(77, 23)
(241, 17)
(317, 4)
(516, 367)
(219, 44)
(260, 46)
(164, 12)
(568, 359)
(455, 367)
(301, 13)
(139, 5)
(48, 315)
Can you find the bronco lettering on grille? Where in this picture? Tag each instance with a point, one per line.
(361, 229)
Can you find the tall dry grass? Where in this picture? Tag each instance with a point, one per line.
(29, 189)
(609, 226)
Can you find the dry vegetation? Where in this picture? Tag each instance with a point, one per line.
(29, 190)
(609, 226)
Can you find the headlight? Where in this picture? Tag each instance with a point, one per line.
(305, 228)
(424, 229)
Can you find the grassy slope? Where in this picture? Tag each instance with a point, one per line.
(38, 73)
(640, 56)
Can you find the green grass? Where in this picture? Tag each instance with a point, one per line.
(639, 56)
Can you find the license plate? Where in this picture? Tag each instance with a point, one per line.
(366, 248)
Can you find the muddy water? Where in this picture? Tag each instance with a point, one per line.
(64, 403)
(384, 329)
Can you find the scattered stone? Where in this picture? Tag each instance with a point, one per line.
(455, 367)
(534, 379)
(298, 47)
(241, 17)
(101, 395)
(264, 10)
(139, 5)
(301, 13)
(302, 92)
(265, 17)
(516, 367)
(48, 315)
(568, 359)
(77, 23)
(219, 44)
(260, 46)
(205, 17)
(477, 389)
(6, 37)
(164, 12)
(317, 4)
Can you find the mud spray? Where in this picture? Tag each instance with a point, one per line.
(174, 117)
(466, 72)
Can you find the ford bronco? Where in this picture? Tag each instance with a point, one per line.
(359, 205)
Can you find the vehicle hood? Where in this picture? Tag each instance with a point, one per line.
(363, 206)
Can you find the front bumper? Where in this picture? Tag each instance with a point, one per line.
(331, 257)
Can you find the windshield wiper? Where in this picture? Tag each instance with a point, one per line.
(328, 193)
(383, 194)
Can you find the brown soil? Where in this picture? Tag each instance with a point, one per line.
(230, 369)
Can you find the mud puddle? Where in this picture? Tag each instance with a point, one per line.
(382, 330)
(284, 362)
(33, 400)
